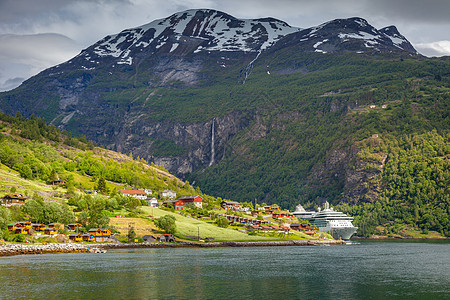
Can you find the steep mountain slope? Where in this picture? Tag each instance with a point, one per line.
(248, 109)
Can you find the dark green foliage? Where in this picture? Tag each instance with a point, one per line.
(5, 217)
(415, 185)
(47, 212)
(221, 221)
(167, 223)
(101, 186)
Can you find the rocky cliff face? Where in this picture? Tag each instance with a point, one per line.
(202, 144)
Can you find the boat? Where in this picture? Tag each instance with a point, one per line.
(338, 224)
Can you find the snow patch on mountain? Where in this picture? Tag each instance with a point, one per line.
(215, 30)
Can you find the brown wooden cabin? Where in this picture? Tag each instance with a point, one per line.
(302, 226)
(22, 230)
(252, 227)
(77, 237)
(12, 226)
(39, 227)
(88, 237)
(59, 182)
(100, 234)
(265, 228)
(73, 226)
(50, 230)
(11, 199)
(26, 224)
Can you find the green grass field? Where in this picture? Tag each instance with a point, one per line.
(191, 227)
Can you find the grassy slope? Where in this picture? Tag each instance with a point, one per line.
(190, 227)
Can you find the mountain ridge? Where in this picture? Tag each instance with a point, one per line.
(294, 101)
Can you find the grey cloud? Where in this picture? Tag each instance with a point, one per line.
(11, 83)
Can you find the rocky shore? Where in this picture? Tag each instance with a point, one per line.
(20, 249)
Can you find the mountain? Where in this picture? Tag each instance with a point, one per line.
(251, 109)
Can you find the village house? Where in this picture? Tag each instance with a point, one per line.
(167, 195)
(305, 228)
(13, 199)
(282, 215)
(22, 230)
(100, 234)
(136, 193)
(88, 237)
(50, 230)
(39, 227)
(12, 226)
(59, 182)
(182, 202)
(77, 237)
(230, 205)
(153, 202)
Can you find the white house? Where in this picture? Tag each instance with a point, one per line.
(135, 193)
(167, 194)
(153, 202)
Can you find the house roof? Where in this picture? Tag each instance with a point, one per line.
(189, 197)
(230, 202)
(133, 192)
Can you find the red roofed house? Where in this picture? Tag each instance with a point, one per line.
(180, 203)
(135, 193)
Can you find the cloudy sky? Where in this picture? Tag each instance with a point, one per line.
(37, 34)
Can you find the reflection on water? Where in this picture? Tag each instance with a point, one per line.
(370, 270)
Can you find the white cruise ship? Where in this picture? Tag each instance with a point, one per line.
(328, 220)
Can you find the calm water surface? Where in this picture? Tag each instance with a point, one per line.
(372, 270)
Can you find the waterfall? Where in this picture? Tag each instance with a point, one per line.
(249, 68)
(211, 162)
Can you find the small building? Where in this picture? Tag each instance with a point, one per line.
(77, 237)
(13, 199)
(301, 226)
(230, 205)
(26, 224)
(73, 226)
(100, 234)
(88, 237)
(182, 202)
(59, 182)
(52, 225)
(12, 226)
(153, 202)
(165, 238)
(167, 195)
(39, 227)
(149, 238)
(136, 193)
(22, 230)
(252, 227)
(50, 230)
(282, 215)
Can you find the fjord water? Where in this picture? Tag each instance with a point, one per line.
(372, 270)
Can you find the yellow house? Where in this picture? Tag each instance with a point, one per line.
(26, 224)
(88, 237)
(12, 226)
(50, 231)
(23, 230)
(39, 227)
(76, 237)
(100, 234)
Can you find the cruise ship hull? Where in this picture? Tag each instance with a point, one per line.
(344, 233)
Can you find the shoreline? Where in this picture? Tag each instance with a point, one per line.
(25, 249)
